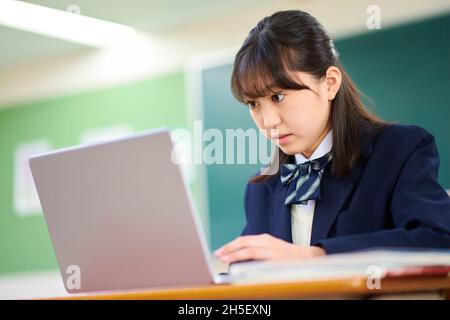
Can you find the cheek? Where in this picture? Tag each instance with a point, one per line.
(306, 115)
(319, 116)
(257, 119)
(321, 111)
(308, 122)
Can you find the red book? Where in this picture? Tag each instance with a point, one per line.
(424, 271)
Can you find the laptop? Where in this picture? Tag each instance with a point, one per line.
(121, 217)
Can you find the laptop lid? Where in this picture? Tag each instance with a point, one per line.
(120, 215)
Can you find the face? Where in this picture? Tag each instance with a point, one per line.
(297, 120)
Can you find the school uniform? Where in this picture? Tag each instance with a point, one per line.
(391, 199)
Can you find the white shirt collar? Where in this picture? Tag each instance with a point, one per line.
(323, 148)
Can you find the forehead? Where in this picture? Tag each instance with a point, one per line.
(302, 77)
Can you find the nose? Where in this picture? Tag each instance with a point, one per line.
(271, 118)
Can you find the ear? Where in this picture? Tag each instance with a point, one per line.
(333, 78)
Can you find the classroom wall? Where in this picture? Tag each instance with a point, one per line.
(24, 240)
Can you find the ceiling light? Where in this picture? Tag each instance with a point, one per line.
(63, 25)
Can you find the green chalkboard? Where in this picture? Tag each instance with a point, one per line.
(405, 70)
(24, 241)
(225, 182)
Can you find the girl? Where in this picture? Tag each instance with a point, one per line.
(344, 179)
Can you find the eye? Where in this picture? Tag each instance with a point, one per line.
(251, 104)
(277, 97)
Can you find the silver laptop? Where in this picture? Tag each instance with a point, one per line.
(121, 217)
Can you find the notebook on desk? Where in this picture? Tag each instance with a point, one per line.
(378, 262)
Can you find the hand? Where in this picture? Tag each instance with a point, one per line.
(265, 247)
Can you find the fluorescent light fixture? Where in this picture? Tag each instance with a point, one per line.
(63, 25)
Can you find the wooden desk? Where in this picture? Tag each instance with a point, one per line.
(324, 289)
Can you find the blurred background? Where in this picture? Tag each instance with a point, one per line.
(143, 64)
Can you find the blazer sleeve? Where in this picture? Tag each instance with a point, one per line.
(420, 207)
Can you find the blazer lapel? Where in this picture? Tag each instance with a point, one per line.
(280, 214)
(335, 191)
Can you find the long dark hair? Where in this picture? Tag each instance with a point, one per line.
(294, 40)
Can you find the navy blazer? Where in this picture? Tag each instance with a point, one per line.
(392, 199)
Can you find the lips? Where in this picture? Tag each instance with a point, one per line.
(281, 136)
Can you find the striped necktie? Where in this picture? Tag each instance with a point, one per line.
(302, 181)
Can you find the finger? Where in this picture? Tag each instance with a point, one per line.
(242, 242)
(250, 253)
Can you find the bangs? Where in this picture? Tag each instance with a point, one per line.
(257, 72)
